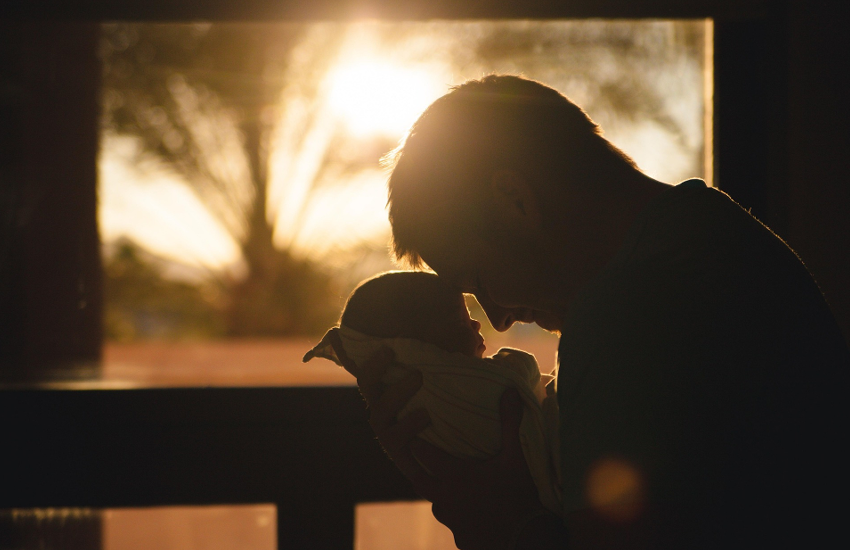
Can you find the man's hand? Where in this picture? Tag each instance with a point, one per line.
(384, 404)
(483, 503)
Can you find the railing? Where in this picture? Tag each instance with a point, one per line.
(308, 450)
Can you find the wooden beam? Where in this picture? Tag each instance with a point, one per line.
(303, 10)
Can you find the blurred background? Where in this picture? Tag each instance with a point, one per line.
(241, 195)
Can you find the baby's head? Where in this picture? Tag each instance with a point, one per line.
(414, 304)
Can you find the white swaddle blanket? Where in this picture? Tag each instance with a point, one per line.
(462, 394)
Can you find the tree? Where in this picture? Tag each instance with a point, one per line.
(211, 102)
(141, 302)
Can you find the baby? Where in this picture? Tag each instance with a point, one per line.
(426, 323)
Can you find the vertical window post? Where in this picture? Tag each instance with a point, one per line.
(50, 281)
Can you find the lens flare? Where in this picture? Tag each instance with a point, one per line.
(615, 489)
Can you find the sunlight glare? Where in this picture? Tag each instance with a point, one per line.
(344, 215)
(380, 97)
(157, 211)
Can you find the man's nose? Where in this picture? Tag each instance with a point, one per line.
(500, 317)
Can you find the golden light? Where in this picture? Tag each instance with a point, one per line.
(157, 211)
(381, 97)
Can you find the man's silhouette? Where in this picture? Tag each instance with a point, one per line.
(701, 375)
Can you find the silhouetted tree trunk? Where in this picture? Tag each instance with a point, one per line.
(195, 96)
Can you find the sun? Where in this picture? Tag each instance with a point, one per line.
(381, 97)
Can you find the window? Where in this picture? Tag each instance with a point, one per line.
(165, 528)
(241, 193)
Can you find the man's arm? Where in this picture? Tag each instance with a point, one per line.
(490, 504)
(384, 405)
(493, 504)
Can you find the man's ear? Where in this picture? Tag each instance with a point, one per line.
(514, 201)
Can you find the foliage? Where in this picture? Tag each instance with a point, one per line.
(292, 297)
(141, 303)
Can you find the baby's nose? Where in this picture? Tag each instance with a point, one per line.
(475, 324)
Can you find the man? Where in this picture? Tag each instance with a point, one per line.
(701, 374)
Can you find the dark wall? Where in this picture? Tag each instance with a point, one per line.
(781, 132)
(819, 147)
(50, 314)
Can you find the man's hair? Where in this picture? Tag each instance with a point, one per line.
(398, 303)
(498, 122)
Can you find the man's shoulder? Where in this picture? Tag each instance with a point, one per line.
(702, 282)
(698, 241)
(690, 223)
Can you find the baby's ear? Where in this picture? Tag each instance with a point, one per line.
(514, 202)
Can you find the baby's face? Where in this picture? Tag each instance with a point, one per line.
(455, 331)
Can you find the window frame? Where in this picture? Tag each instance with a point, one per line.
(310, 450)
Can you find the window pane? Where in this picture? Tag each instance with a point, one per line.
(241, 194)
(384, 525)
(224, 527)
(250, 526)
(66, 528)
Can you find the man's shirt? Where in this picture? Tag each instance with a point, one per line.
(704, 363)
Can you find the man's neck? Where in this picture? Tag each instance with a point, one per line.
(593, 224)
